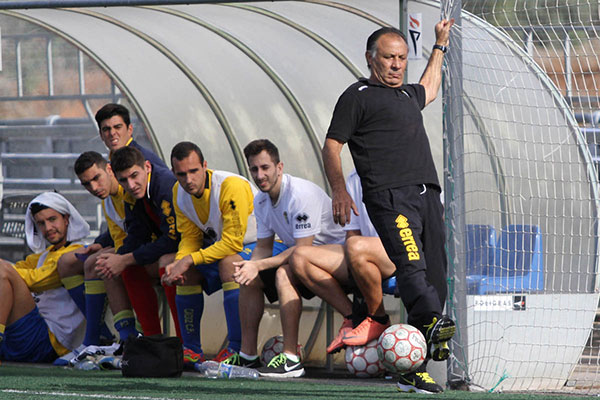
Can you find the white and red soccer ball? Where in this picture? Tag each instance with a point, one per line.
(401, 348)
(274, 347)
(363, 361)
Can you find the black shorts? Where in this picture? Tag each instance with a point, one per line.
(270, 289)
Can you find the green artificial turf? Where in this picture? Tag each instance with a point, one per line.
(34, 382)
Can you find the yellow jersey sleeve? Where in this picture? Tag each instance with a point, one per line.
(45, 277)
(117, 234)
(236, 203)
(191, 235)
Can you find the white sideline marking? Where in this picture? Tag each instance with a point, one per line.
(101, 396)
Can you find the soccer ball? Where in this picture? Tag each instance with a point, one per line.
(363, 361)
(401, 348)
(273, 347)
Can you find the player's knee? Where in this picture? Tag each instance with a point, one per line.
(5, 270)
(284, 277)
(226, 267)
(355, 249)
(298, 261)
(64, 266)
(89, 265)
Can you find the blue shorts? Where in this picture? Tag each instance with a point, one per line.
(210, 272)
(28, 340)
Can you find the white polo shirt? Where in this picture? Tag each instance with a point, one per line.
(303, 209)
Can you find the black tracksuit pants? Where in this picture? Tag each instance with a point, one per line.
(409, 221)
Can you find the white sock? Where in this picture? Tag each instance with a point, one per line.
(247, 356)
(292, 357)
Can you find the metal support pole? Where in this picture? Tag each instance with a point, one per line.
(528, 42)
(454, 192)
(24, 4)
(19, 69)
(403, 26)
(50, 69)
(568, 69)
(403, 8)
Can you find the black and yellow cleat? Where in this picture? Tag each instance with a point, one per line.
(438, 333)
(418, 382)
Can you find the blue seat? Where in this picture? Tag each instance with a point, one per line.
(481, 247)
(389, 285)
(517, 265)
(480, 254)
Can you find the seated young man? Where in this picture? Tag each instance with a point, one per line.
(116, 131)
(325, 270)
(299, 213)
(38, 319)
(152, 237)
(214, 212)
(95, 174)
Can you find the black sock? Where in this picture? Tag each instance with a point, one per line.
(382, 320)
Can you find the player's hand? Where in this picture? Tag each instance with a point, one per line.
(91, 249)
(109, 265)
(341, 204)
(245, 272)
(175, 271)
(442, 31)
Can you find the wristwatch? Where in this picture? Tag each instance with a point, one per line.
(443, 49)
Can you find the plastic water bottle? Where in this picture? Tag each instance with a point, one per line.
(87, 365)
(215, 370)
(110, 362)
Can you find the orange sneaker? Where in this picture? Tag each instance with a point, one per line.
(365, 332)
(337, 344)
(223, 355)
(190, 357)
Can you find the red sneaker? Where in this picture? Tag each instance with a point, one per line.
(190, 357)
(337, 344)
(223, 355)
(365, 332)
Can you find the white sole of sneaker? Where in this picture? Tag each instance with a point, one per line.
(292, 374)
(411, 389)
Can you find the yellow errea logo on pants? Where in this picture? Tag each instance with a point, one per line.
(407, 238)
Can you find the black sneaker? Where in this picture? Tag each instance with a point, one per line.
(282, 367)
(418, 382)
(237, 359)
(438, 333)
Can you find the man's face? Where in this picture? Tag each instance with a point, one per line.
(389, 64)
(97, 181)
(266, 174)
(135, 179)
(115, 133)
(52, 225)
(190, 173)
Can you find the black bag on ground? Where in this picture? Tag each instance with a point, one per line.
(152, 357)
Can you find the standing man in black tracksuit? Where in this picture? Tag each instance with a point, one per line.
(381, 120)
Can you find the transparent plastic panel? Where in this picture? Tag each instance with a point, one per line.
(293, 66)
(146, 74)
(49, 92)
(252, 104)
(326, 22)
